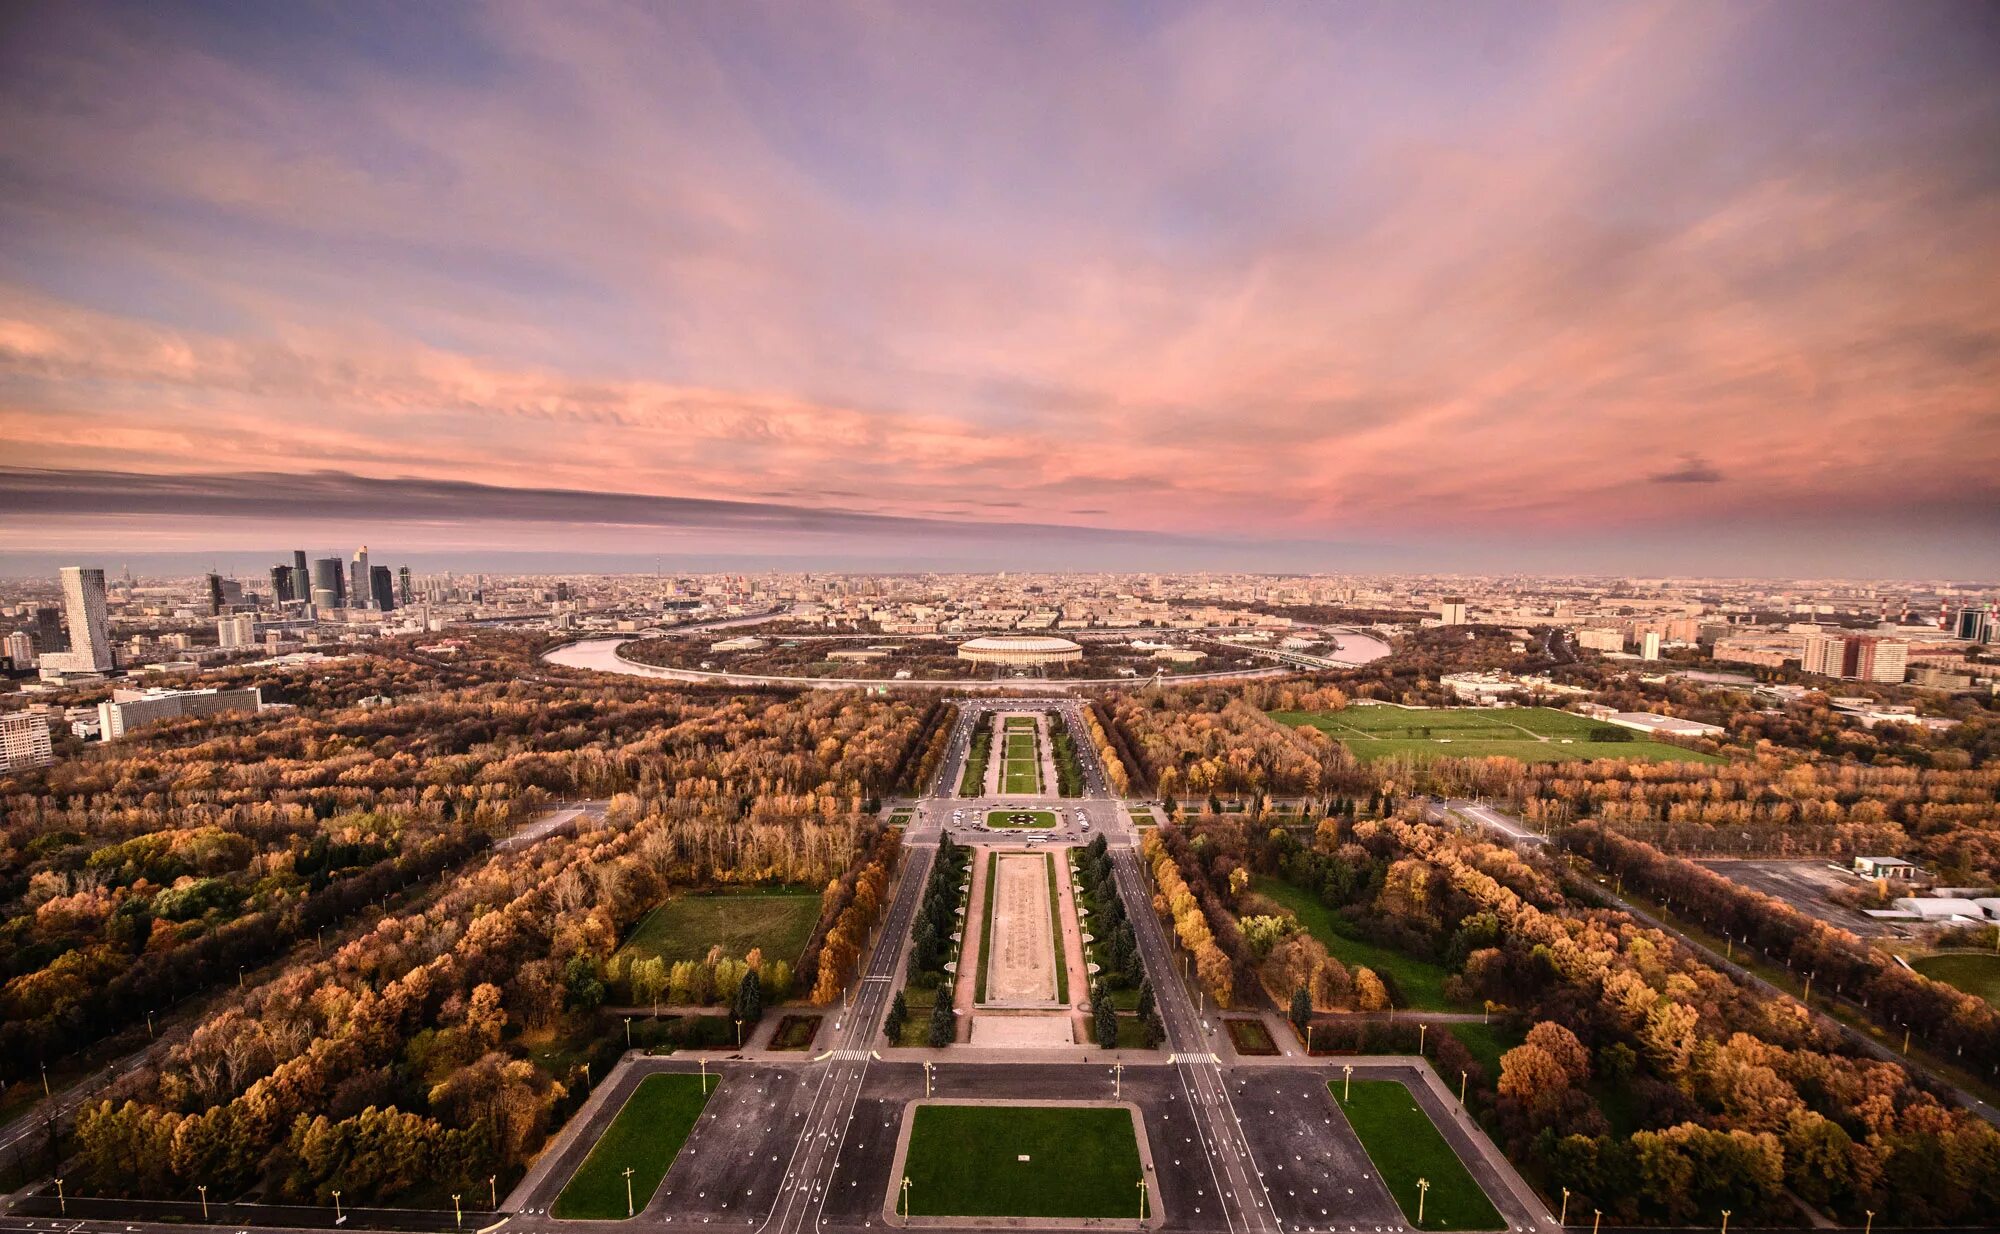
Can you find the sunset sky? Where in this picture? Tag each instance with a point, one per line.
(1610, 287)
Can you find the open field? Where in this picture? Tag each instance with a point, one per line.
(645, 1136)
(1974, 972)
(1405, 1146)
(1529, 734)
(1029, 819)
(1419, 983)
(966, 1161)
(686, 927)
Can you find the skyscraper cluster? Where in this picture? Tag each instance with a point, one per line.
(331, 583)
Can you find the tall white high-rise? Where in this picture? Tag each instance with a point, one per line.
(360, 586)
(21, 649)
(89, 625)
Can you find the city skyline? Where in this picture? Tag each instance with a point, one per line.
(1638, 289)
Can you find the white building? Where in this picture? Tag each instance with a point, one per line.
(1649, 647)
(1601, 640)
(130, 709)
(237, 631)
(1886, 867)
(21, 649)
(89, 626)
(24, 740)
(1451, 611)
(1020, 649)
(1941, 908)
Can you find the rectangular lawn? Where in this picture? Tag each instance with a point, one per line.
(685, 928)
(1527, 734)
(964, 1161)
(1031, 819)
(1405, 1146)
(646, 1136)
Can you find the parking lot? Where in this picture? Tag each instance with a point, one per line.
(1804, 883)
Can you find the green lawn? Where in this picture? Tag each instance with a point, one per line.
(1022, 770)
(964, 1161)
(1977, 974)
(973, 782)
(1528, 734)
(1419, 981)
(1405, 1146)
(1056, 933)
(645, 1137)
(1487, 1042)
(985, 930)
(686, 927)
(1036, 819)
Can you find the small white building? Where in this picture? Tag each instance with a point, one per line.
(1886, 867)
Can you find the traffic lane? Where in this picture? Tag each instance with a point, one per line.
(734, 1162)
(1315, 1170)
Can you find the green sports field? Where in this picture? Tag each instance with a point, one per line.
(1528, 734)
(1976, 974)
(646, 1136)
(686, 927)
(1036, 819)
(1021, 770)
(1405, 1146)
(965, 1161)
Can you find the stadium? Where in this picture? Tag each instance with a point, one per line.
(1020, 650)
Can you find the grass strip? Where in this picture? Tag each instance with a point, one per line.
(985, 931)
(1406, 1146)
(1055, 934)
(645, 1137)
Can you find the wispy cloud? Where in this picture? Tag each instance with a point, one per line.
(1196, 268)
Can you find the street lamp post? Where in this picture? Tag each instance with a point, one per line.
(1423, 1192)
(62, 1201)
(1346, 1080)
(739, 1034)
(586, 1077)
(1142, 1200)
(45, 1080)
(203, 1188)
(493, 1190)
(704, 1075)
(1117, 1081)
(1725, 1221)
(339, 1218)
(457, 1213)
(927, 1081)
(1461, 1086)
(149, 1026)
(1563, 1217)
(1870, 1227)
(628, 1032)
(1422, 1030)
(1597, 1219)
(906, 1197)
(628, 1191)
